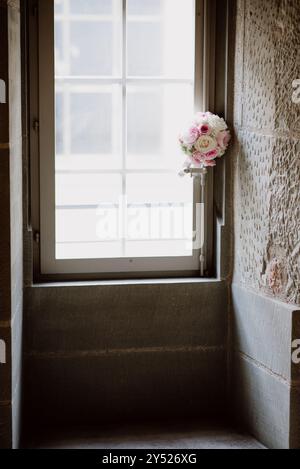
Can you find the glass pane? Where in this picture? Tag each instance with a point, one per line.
(92, 213)
(61, 64)
(88, 126)
(58, 5)
(161, 38)
(144, 107)
(73, 190)
(91, 123)
(59, 119)
(144, 41)
(156, 116)
(88, 43)
(143, 7)
(159, 216)
(92, 49)
(92, 7)
(81, 233)
(87, 215)
(92, 250)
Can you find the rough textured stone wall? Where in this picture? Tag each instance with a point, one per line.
(267, 167)
(265, 383)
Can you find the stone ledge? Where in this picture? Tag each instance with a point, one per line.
(68, 319)
(263, 331)
(261, 403)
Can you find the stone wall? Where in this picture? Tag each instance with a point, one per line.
(267, 219)
(11, 252)
(125, 351)
(267, 124)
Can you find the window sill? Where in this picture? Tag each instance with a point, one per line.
(129, 282)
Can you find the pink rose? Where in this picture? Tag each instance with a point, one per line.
(211, 163)
(223, 139)
(211, 155)
(198, 157)
(191, 136)
(205, 129)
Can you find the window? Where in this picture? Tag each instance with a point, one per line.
(118, 80)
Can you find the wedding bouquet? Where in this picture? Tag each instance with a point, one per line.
(206, 139)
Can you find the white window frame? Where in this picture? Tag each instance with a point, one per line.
(42, 145)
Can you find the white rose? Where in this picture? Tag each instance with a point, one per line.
(206, 144)
(217, 123)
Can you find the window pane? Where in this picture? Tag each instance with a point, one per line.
(74, 190)
(92, 7)
(160, 216)
(88, 45)
(61, 65)
(87, 215)
(161, 38)
(91, 123)
(58, 5)
(144, 107)
(91, 212)
(145, 56)
(156, 116)
(99, 37)
(91, 250)
(88, 126)
(81, 233)
(142, 7)
(59, 119)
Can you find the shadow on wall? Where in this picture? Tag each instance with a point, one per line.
(2, 352)
(2, 92)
